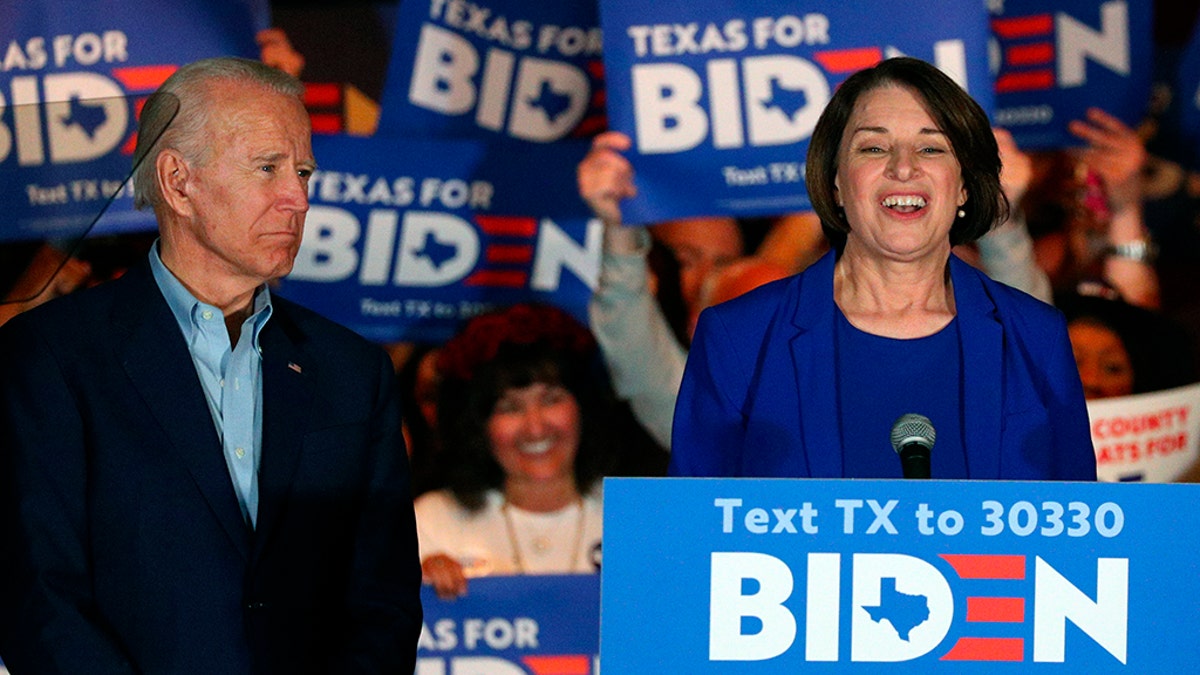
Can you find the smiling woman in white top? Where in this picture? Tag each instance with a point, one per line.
(523, 419)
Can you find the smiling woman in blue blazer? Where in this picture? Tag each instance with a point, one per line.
(806, 376)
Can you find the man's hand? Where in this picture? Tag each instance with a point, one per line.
(606, 176)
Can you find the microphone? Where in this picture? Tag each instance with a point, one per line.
(912, 438)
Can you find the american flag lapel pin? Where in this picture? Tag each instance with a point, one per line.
(295, 366)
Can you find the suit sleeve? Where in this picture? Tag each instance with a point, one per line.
(48, 617)
(1075, 457)
(383, 600)
(709, 428)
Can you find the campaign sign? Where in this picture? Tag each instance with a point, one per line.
(406, 239)
(1057, 58)
(72, 77)
(1187, 93)
(520, 625)
(1151, 437)
(841, 576)
(720, 97)
(522, 70)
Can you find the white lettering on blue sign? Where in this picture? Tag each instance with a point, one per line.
(66, 118)
(903, 607)
(444, 79)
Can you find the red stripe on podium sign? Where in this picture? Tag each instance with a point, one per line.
(987, 649)
(996, 610)
(987, 566)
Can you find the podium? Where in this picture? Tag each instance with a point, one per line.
(843, 576)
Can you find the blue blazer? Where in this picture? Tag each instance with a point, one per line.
(758, 399)
(124, 549)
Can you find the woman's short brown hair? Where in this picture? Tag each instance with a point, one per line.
(957, 115)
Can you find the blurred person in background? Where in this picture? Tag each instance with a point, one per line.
(42, 273)
(1084, 210)
(1121, 349)
(527, 433)
(644, 345)
(418, 380)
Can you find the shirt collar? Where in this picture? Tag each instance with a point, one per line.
(186, 307)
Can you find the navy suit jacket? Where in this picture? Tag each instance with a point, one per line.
(124, 549)
(758, 395)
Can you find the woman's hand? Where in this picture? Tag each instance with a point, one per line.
(275, 50)
(1016, 167)
(1116, 153)
(446, 576)
(606, 177)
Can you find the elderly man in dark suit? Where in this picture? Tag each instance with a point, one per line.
(196, 476)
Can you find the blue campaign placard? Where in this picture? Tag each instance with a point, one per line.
(1058, 58)
(1187, 97)
(73, 76)
(521, 625)
(519, 70)
(841, 576)
(720, 97)
(406, 239)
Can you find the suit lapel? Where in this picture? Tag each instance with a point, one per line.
(288, 377)
(813, 352)
(813, 360)
(159, 366)
(982, 371)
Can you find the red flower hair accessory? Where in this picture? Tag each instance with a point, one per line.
(481, 338)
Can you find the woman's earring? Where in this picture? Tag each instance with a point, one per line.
(962, 213)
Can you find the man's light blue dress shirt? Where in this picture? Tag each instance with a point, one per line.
(231, 377)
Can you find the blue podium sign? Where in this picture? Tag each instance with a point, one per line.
(522, 625)
(770, 576)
